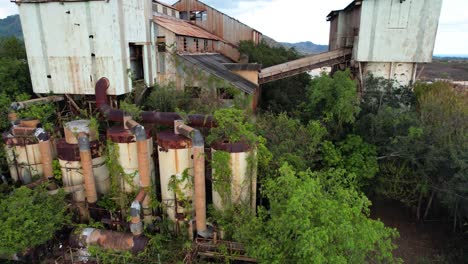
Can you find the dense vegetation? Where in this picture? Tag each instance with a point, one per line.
(322, 153)
(29, 218)
(282, 95)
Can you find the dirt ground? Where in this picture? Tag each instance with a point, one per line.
(456, 70)
(419, 243)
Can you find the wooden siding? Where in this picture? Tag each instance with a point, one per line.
(220, 24)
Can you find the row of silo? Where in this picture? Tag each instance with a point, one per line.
(175, 157)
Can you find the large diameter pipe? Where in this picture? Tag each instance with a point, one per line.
(45, 148)
(198, 144)
(152, 117)
(111, 240)
(87, 165)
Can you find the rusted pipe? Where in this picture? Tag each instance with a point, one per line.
(15, 106)
(87, 165)
(136, 226)
(152, 117)
(111, 240)
(45, 148)
(143, 164)
(198, 148)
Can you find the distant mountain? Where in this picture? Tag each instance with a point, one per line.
(11, 26)
(306, 47)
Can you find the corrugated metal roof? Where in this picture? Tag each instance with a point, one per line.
(180, 27)
(333, 13)
(214, 64)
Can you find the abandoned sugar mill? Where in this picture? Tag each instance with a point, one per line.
(85, 56)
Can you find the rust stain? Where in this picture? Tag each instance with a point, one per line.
(184, 28)
(176, 160)
(168, 140)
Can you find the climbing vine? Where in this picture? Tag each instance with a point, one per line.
(222, 176)
(117, 198)
(178, 184)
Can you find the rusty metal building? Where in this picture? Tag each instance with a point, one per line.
(389, 38)
(216, 22)
(72, 43)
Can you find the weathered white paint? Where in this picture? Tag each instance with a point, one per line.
(398, 31)
(174, 162)
(72, 175)
(128, 159)
(70, 45)
(243, 184)
(402, 73)
(24, 162)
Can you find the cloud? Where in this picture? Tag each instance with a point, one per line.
(7, 9)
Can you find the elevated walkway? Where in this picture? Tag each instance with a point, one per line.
(302, 65)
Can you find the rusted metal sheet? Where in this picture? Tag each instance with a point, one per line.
(184, 28)
(237, 147)
(118, 134)
(70, 44)
(70, 152)
(220, 24)
(302, 65)
(168, 140)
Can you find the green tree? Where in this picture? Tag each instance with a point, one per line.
(354, 155)
(30, 218)
(334, 100)
(315, 217)
(290, 141)
(283, 95)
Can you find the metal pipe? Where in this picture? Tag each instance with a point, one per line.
(136, 226)
(198, 147)
(152, 117)
(15, 106)
(45, 148)
(87, 165)
(143, 164)
(111, 240)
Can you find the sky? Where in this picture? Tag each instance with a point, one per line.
(304, 20)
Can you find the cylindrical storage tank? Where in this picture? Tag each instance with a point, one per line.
(72, 173)
(243, 176)
(68, 151)
(23, 157)
(128, 155)
(176, 174)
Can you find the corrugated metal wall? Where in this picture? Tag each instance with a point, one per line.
(398, 31)
(72, 44)
(220, 24)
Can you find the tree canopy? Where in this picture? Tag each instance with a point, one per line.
(316, 217)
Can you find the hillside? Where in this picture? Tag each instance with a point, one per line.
(306, 47)
(11, 26)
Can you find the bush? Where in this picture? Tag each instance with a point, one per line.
(30, 218)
